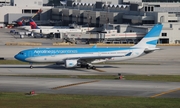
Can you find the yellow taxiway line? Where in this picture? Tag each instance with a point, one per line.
(74, 84)
(99, 70)
(166, 92)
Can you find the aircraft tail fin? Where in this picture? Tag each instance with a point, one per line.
(151, 38)
(33, 24)
(20, 23)
(39, 11)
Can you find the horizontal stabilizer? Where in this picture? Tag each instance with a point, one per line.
(152, 49)
(148, 50)
(95, 46)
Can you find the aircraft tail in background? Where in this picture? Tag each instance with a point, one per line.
(33, 24)
(20, 23)
(39, 11)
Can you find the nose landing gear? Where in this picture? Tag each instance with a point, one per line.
(30, 66)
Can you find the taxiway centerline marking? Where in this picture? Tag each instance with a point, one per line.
(99, 70)
(74, 84)
(166, 92)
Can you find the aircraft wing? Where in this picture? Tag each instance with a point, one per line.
(90, 59)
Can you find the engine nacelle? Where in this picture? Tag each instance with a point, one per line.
(71, 63)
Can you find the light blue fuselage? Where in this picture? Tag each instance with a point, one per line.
(61, 54)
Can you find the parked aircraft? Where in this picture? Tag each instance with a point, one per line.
(59, 29)
(84, 57)
(21, 25)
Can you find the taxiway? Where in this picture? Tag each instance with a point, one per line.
(81, 86)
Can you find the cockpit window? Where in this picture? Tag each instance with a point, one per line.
(21, 53)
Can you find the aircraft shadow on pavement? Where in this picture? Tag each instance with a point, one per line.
(107, 66)
(55, 67)
(62, 67)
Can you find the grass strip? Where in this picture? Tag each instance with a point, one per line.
(16, 62)
(167, 78)
(19, 100)
(12, 62)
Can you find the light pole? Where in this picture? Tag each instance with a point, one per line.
(62, 18)
(77, 19)
(107, 17)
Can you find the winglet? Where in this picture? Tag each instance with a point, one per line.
(94, 46)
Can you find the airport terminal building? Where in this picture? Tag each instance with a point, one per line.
(120, 19)
(15, 10)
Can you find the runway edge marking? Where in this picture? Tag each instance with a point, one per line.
(74, 84)
(166, 92)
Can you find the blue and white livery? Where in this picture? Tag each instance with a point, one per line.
(84, 57)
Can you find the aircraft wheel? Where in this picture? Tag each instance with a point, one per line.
(93, 67)
(83, 66)
(87, 67)
(31, 67)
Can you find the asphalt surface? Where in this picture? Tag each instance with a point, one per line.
(89, 86)
(101, 87)
(105, 69)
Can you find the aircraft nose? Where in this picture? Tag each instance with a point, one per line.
(16, 57)
(19, 57)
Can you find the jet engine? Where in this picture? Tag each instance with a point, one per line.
(71, 63)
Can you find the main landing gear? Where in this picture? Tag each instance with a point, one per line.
(90, 66)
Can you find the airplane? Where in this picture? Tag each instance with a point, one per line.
(84, 57)
(21, 25)
(57, 29)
